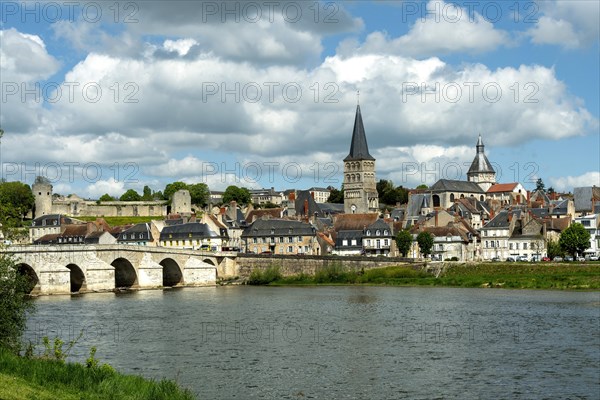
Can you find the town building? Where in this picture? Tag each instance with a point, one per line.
(280, 236)
(192, 235)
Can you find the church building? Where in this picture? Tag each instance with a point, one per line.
(360, 190)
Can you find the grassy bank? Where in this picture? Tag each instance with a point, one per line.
(572, 276)
(34, 378)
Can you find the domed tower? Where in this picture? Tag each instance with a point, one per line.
(42, 190)
(360, 190)
(481, 171)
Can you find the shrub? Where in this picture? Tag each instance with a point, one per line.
(260, 277)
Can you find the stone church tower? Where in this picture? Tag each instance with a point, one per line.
(481, 171)
(360, 190)
(42, 191)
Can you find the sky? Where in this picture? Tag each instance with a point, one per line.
(100, 97)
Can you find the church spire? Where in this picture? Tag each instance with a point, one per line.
(359, 150)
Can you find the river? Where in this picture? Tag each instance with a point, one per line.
(340, 342)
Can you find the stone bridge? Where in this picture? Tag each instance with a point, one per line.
(87, 268)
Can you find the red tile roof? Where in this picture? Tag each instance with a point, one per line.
(502, 187)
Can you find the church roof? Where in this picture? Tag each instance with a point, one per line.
(359, 150)
(448, 185)
(480, 163)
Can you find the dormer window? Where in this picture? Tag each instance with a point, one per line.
(368, 233)
(378, 232)
(385, 232)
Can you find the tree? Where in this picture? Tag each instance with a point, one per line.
(574, 240)
(237, 194)
(336, 196)
(106, 197)
(403, 241)
(172, 188)
(15, 303)
(16, 199)
(422, 186)
(199, 193)
(147, 193)
(425, 241)
(539, 185)
(554, 249)
(550, 190)
(130, 195)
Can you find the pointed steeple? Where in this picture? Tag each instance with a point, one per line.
(359, 150)
(480, 162)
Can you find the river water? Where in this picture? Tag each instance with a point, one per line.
(341, 342)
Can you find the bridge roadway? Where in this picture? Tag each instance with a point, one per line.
(88, 268)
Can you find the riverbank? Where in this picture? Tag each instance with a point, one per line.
(35, 378)
(562, 276)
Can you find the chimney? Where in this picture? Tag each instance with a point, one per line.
(292, 196)
(305, 207)
(510, 215)
(436, 218)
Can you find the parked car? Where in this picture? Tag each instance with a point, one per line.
(568, 258)
(581, 259)
(496, 259)
(558, 259)
(546, 259)
(510, 259)
(522, 258)
(593, 258)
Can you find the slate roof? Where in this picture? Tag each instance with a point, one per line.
(51, 220)
(359, 150)
(480, 163)
(380, 225)
(501, 219)
(182, 231)
(415, 202)
(331, 208)
(278, 227)
(448, 185)
(303, 196)
(349, 235)
(141, 232)
(560, 208)
(583, 197)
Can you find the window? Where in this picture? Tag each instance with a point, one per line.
(378, 243)
(299, 239)
(369, 242)
(385, 232)
(344, 242)
(254, 240)
(290, 249)
(291, 239)
(386, 242)
(353, 242)
(378, 233)
(492, 242)
(368, 233)
(510, 246)
(524, 246)
(189, 235)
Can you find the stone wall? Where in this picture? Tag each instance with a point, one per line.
(246, 263)
(110, 209)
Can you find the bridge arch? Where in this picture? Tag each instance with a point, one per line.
(171, 273)
(125, 274)
(29, 272)
(77, 278)
(209, 261)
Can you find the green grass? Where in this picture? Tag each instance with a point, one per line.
(572, 276)
(115, 221)
(34, 378)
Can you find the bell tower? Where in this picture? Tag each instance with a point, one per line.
(481, 171)
(360, 190)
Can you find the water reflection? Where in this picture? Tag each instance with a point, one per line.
(341, 342)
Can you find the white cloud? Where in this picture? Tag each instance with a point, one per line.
(111, 186)
(570, 24)
(446, 29)
(24, 58)
(567, 183)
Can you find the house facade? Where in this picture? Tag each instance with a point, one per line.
(280, 236)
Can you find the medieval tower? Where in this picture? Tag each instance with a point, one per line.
(481, 171)
(360, 190)
(42, 191)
